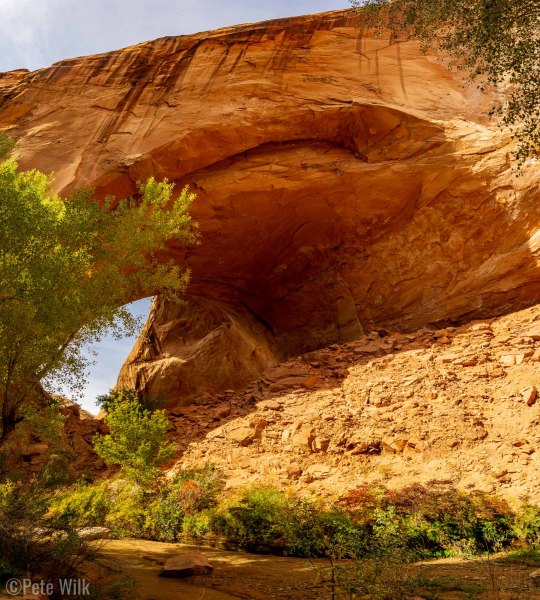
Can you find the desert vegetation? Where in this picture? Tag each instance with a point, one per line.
(67, 268)
(425, 521)
(69, 265)
(368, 541)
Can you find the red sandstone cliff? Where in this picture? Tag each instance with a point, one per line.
(344, 184)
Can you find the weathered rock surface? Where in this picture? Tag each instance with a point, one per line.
(535, 578)
(344, 184)
(94, 533)
(390, 409)
(25, 452)
(186, 565)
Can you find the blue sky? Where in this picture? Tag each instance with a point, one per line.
(37, 33)
(110, 354)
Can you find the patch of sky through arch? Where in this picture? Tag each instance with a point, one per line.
(107, 357)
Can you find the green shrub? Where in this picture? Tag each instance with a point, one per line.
(137, 440)
(263, 516)
(198, 525)
(526, 525)
(31, 540)
(84, 505)
(7, 145)
(165, 517)
(198, 488)
(256, 518)
(128, 512)
(382, 577)
(434, 519)
(343, 538)
(55, 472)
(311, 530)
(188, 493)
(151, 403)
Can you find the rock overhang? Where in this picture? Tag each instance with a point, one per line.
(343, 183)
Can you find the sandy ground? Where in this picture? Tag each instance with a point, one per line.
(255, 577)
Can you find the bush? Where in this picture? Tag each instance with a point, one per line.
(199, 488)
(384, 577)
(435, 519)
(121, 506)
(82, 506)
(526, 526)
(55, 472)
(165, 518)
(198, 525)
(127, 516)
(256, 518)
(151, 403)
(129, 510)
(31, 540)
(189, 493)
(137, 440)
(262, 517)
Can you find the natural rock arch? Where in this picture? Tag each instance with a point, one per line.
(344, 183)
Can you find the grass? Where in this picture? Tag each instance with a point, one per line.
(432, 587)
(526, 557)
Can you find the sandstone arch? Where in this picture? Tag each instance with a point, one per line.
(343, 184)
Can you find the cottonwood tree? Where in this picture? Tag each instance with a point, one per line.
(67, 268)
(137, 441)
(497, 42)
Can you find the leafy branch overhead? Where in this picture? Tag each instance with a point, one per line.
(497, 42)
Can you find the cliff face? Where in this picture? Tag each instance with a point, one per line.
(344, 184)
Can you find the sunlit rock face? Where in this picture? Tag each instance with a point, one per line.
(344, 184)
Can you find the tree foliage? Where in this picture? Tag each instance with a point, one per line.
(496, 41)
(151, 403)
(136, 442)
(67, 268)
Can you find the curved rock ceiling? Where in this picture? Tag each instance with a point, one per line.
(344, 184)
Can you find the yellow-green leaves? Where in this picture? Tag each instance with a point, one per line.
(137, 439)
(7, 146)
(68, 265)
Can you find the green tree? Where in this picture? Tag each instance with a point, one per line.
(496, 41)
(67, 268)
(107, 401)
(137, 439)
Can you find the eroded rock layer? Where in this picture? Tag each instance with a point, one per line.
(344, 184)
(459, 405)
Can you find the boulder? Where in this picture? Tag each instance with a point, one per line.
(242, 435)
(186, 565)
(535, 578)
(94, 533)
(529, 394)
(34, 450)
(303, 439)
